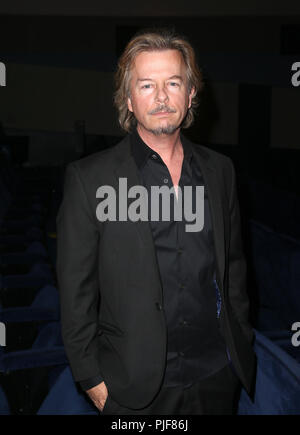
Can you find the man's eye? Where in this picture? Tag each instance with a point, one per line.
(146, 86)
(174, 84)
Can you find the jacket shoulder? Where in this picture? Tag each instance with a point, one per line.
(102, 161)
(212, 157)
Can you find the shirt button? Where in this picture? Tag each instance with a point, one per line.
(154, 156)
(180, 251)
(166, 180)
(184, 322)
(158, 306)
(182, 286)
(181, 353)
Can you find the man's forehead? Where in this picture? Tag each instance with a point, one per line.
(158, 61)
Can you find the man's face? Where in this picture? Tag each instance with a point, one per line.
(159, 96)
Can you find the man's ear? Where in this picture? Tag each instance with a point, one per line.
(129, 105)
(191, 95)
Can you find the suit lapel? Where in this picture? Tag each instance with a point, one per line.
(213, 186)
(128, 169)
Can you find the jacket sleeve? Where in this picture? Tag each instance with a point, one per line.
(237, 268)
(91, 382)
(77, 246)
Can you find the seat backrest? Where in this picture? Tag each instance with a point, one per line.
(65, 398)
(4, 406)
(277, 389)
(275, 260)
(47, 297)
(49, 336)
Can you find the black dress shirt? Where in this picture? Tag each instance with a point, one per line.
(186, 261)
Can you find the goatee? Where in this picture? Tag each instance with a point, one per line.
(169, 129)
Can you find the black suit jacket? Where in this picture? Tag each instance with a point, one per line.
(112, 310)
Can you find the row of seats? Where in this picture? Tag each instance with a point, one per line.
(273, 262)
(33, 358)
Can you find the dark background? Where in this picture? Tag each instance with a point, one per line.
(60, 68)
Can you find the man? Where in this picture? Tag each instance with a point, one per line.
(154, 316)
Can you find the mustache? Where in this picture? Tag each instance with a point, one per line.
(162, 108)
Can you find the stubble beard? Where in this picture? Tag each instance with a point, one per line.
(169, 129)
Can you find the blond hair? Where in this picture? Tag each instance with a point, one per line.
(154, 40)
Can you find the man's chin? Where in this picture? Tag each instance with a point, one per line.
(166, 129)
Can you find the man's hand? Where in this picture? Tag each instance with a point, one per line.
(98, 395)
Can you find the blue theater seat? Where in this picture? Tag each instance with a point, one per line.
(277, 389)
(276, 260)
(34, 253)
(66, 398)
(46, 350)
(44, 308)
(4, 406)
(39, 275)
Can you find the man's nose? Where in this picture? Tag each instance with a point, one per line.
(161, 94)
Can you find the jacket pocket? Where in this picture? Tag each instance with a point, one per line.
(105, 405)
(109, 329)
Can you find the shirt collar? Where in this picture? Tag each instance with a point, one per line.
(141, 152)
